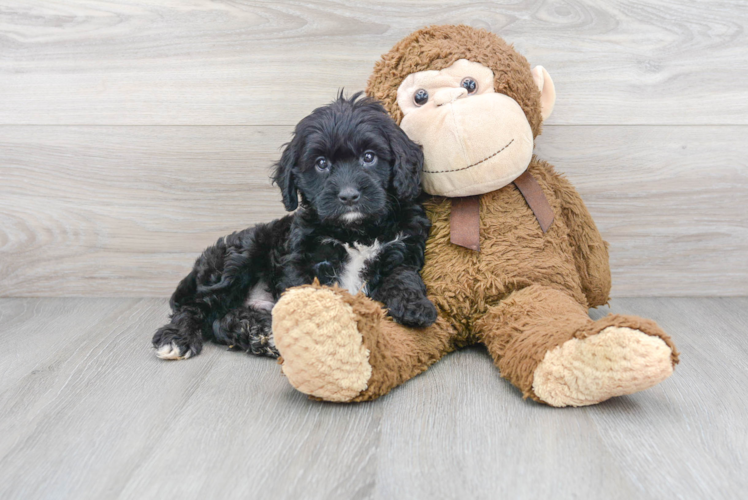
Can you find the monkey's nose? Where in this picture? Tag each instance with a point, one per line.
(349, 195)
(445, 96)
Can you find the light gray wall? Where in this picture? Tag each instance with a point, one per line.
(133, 134)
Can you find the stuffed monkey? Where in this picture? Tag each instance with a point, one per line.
(514, 259)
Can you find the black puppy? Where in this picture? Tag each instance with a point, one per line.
(358, 225)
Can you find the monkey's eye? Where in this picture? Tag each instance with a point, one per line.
(322, 164)
(469, 84)
(369, 158)
(421, 97)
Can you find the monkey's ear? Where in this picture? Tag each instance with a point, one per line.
(284, 177)
(406, 175)
(547, 90)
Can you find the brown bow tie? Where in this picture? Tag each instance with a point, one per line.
(464, 222)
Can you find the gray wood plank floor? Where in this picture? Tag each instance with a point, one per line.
(87, 411)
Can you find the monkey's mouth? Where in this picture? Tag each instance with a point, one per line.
(470, 166)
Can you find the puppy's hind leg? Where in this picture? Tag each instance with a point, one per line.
(248, 329)
(181, 338)
(202, 294)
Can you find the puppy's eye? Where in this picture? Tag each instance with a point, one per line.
(369, 158)
(322, 164)
(469, 84)
(421, 97)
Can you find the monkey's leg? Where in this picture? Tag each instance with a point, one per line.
(547, 346)
(338, 347)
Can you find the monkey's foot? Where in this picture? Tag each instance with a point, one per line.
(322, 350)
(615, 362)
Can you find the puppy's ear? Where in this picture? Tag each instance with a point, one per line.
(284, 177)
(406, 175)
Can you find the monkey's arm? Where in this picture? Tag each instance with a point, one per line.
(590, 251)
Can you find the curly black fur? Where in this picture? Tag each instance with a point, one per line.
(351, 208)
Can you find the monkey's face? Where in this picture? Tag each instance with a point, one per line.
(474, 139)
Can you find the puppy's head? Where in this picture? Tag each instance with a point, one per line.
(349, 162)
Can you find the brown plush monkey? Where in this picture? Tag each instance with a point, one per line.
(514, 259)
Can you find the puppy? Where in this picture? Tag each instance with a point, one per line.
(354, 177)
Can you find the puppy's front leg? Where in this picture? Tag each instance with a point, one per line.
(404, 294)
(294, 272)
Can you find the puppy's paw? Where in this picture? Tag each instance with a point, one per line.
(247, 329)
(174, 351)
(418, 313)
(170, 343)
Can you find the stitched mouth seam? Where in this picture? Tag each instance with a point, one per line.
(469, 166)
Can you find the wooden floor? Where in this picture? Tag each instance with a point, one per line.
(87, 411)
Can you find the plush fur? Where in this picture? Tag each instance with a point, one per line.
(353, 175)
(524, 296)
(438, 47)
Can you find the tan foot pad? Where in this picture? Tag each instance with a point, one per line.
(615, 362)
(323, 353)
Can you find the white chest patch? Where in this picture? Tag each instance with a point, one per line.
(358, 256)
(260, 297)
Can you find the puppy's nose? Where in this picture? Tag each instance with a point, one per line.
(349, 195)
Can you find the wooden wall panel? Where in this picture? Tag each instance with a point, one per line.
(202, 62)
(124, 211)
(133, 134)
